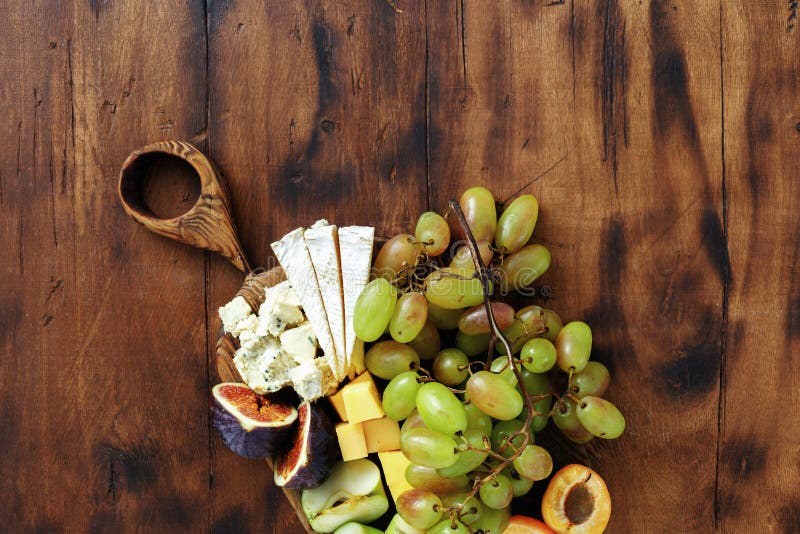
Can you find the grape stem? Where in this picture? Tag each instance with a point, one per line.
(486, 278)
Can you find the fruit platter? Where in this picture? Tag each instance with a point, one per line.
(398, 385)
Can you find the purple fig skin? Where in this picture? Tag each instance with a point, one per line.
(313, 451)
(248, 437)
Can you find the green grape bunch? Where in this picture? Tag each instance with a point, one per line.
(471, 378)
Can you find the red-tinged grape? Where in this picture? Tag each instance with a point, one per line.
(530, 322)
(462, 259)
(409, 317)
(523, 267)
(479, 209)
(433, 233)
(468, 460)
(497, 492)
(494, 396)
(450, 367)
(425, 447)
(475, 321)
(414, 420)
(501, 434)
(399, 397)
(535, 463)
(477, 420)
(473, 345)
(440, 409)
(516, 223)
(429, 479)
(387, 359)
(442, 318)
(600, 417)
(471, 510)
(428, 343)
(566, 419)
(453, 288)
(574, 346)
(593, 380)
(374, 309)
(503, 369)
(419, 508)
(397, 257)
(538, 355)
(553, 324)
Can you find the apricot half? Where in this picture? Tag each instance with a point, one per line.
(520, 524)
(577, 501)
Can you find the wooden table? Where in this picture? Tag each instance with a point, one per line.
(661, 139)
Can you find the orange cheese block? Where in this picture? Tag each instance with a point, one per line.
(382, 434)
(352, 442)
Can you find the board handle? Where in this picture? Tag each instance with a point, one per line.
(207, 225)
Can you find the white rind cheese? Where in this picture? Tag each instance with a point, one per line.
(355, 247)
(323, 246)
(293, 256)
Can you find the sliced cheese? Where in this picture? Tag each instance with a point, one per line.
(351, 441)
(355, 247)
(323, 246)
(382, 434)
(293, 256)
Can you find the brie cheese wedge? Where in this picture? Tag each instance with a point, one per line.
(355, 247)
(293, 256)
(323, 246)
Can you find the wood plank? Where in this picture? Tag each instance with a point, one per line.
(632, 214)
(105, 415)
(317, 109)
(759, 454)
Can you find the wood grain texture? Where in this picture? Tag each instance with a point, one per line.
(660, 138)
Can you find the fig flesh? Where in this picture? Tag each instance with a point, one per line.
(251, 425)
(309, 459)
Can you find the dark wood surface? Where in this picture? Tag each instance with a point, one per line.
(661, 139)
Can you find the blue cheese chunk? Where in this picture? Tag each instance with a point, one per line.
(266, 371)
(313, 379)
(234, 312)
(300, 343)
(248, 324)
(280, 310)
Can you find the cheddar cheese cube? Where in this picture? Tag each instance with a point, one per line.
(382, 434)
(362, 401)
(352, 442)
(394, 464)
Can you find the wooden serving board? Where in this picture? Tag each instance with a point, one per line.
(253, 292)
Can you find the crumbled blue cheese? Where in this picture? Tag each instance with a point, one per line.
(266, 371)
(233, 312)
(300, 343)
(248, 324)
(251, 343)
(281, 309)
(313, 379)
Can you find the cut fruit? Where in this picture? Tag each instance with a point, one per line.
(357, 528)
(399, 526)
(521, 524)
(309, 460)
(251, 425)
(353, 493)
(577, 501)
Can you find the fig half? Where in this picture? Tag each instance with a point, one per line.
(310, 459)
(251, 425)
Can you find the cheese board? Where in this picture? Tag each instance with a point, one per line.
(322, 359)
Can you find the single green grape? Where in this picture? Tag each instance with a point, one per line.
(478, 420)
(600, 417)
(427, 343)
(501, 433)
(503, 369)
(443, 318)
(497, 492)
(566, 419)
(574, 346)
(553, 325)
(449, 527)
(414, 420)
(433, 233)
(593, 380)
(535, 463)
(409, 317)
(399, 397)
(428, 478)
(516, 224)
(429, 448)
(397, 257)
(475, 321)
(453, 288)
(440, 409)
(479, 209)
(530, 322)
(462, 259)
(538, 355)
(468, 460)
(494, 396)
(472, 509)
(520, 484)
(523, 267)
(472, 345)
(450, 367)
(419, 508)
(492, 521)
(387, 359)
(374, 309)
